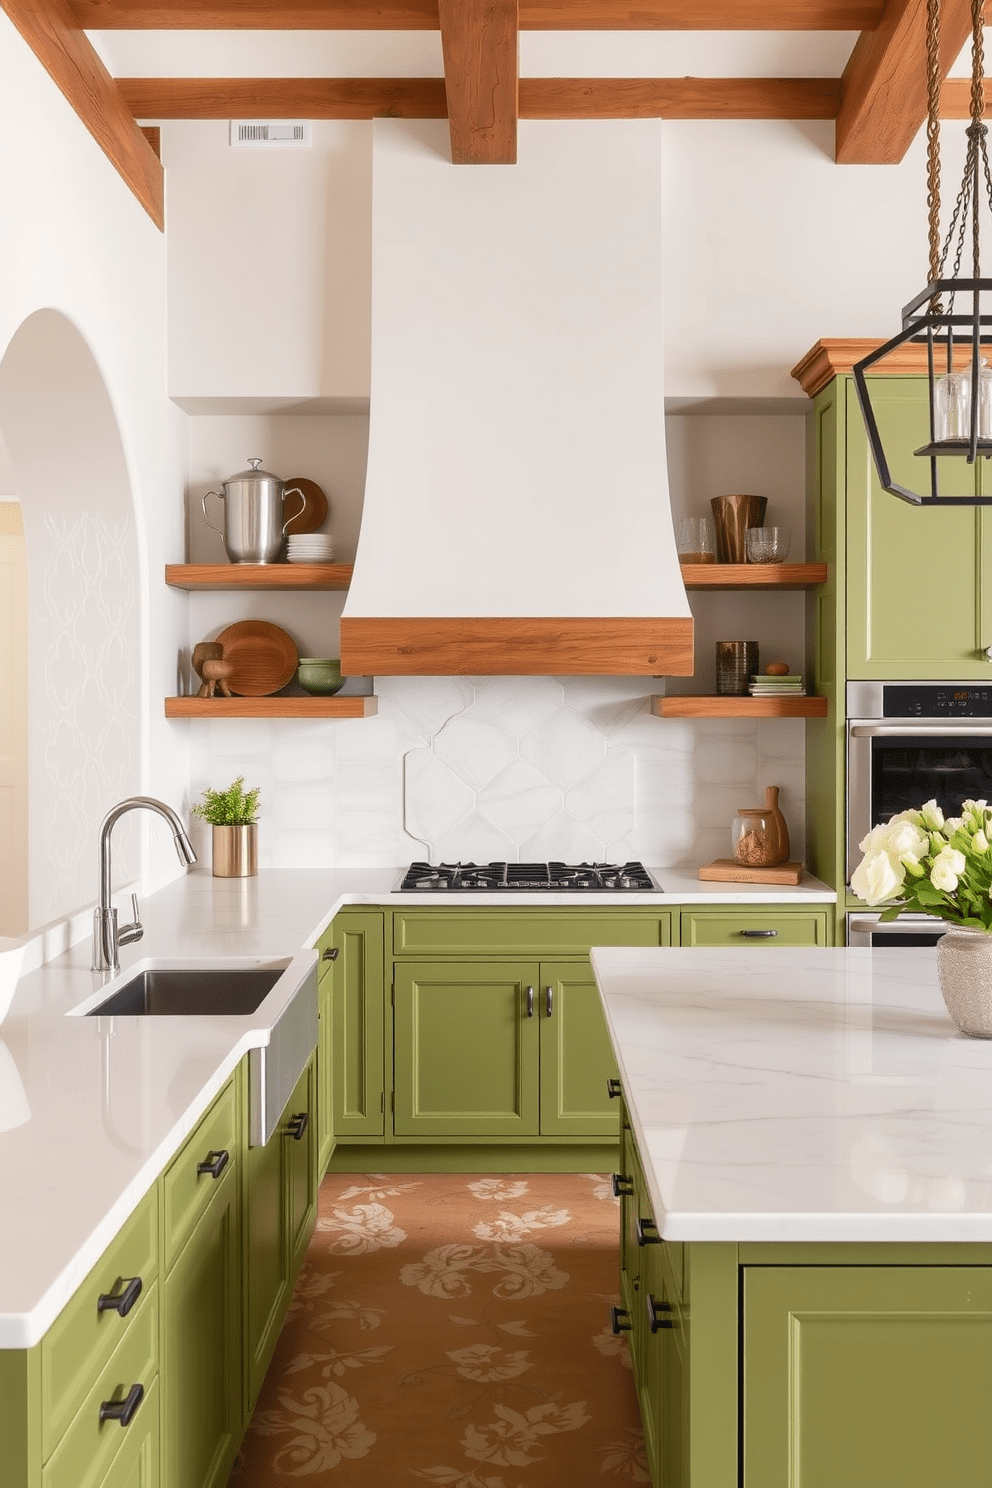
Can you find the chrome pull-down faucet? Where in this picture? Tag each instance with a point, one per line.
(107, 937)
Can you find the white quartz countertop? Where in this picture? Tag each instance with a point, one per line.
(803, 1095)
(88, 1119)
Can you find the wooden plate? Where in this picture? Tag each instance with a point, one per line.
(315, 510)
(265, 658)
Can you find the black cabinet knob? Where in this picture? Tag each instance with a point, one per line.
(646, 1232)
(614, 1089)
(656, 1314)
(122, 1299)
(621, 1184)
(123, 1410)
(214, 1163)
(330, 954)
(297, 1125)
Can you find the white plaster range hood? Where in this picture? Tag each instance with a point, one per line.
(516, 513)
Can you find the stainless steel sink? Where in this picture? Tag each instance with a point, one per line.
(168, 992)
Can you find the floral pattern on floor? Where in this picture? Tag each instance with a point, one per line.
(452, 1329)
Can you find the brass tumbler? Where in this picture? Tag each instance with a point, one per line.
(235, 851)
(732, 516)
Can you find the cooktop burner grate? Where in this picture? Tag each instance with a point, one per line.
(466, 878)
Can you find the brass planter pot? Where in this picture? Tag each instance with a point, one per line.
(235, 851)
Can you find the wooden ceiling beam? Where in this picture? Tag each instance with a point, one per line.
(883, 90)
(422, 15)
(424, 98)
(479, 44)
(52, 32)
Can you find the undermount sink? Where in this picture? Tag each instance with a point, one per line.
(193, 991)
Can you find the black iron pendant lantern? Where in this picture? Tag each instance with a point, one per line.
(952, 317)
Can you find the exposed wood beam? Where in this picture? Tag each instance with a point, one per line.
(955, 98)
(883, 90)
(479, 43)
(285, 98)
(535, 15)
(53, 34)
(153, 135)
(679, 98)
(424, 98)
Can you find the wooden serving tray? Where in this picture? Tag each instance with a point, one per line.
(727, 870)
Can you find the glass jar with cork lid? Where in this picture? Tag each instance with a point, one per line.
(760, 836)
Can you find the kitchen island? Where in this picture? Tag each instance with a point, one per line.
(806, 1172)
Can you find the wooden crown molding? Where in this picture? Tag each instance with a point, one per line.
(836, 355)
(423, 15)
(52, 32)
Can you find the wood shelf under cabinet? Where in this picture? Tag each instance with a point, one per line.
(259, 575)
(719, 706)
(753, 575)
(271, 707)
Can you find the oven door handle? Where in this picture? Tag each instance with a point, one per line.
(897, 927)
(913, 728)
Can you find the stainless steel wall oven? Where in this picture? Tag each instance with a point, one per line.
(910, 742)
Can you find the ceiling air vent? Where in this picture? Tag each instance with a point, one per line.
(270, 131)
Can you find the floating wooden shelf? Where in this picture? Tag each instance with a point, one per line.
(259, 575)
(716, 706)
(271, 707)
(753, 575)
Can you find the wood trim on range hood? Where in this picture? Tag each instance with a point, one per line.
(516, 646)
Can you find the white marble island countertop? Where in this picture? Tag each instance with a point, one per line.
(801, 1095)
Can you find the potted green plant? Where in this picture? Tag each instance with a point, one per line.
(233, 817)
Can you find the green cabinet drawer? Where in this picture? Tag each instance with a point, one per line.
(499, 932)
(762, 927)
(186, 1191)
(86, 1452)
(84, 1335)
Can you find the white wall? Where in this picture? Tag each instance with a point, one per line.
(79, 244)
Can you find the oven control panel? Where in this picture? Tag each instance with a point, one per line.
(936, 700)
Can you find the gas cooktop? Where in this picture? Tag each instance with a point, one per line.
(521, 878)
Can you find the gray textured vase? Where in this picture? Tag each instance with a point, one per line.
(964, 966)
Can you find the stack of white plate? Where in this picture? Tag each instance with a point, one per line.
(310, 547)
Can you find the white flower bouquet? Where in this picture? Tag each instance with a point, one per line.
(936, 865)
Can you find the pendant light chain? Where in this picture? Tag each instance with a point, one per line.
(933, 140)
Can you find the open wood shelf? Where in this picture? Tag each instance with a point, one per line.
(271, 707)
(717, 706)
(259, 575)
(753, 575)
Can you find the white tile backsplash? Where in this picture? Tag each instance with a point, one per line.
(521, 768)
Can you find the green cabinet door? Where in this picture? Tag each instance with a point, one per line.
(576, 1055)
(300, 1141)
(357, 993)
(201, 1373)
(867, 1376)
(466, 1049)
(325, 1074)
(896, 551)
(266, 1256)
(137, 1464)
(661, 1377)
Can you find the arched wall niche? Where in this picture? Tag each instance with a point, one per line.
(84, 726)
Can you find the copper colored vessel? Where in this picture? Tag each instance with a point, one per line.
(732, 516)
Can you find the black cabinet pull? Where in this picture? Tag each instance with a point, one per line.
(646, 1232)
(123, 1410)
(655, 1309)
(330, 953)
(297, 1125)
(120, 1301)
(214, 1163)
(621, 1184)
(758, 934)
(614, 1089)
(620, 1320)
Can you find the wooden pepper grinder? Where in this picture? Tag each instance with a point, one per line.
(777, 823)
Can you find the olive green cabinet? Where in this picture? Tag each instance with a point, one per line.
(767, 925)
(357, 978)
(325, 1055)
(202, 1404)
(280, 1213)
(868, 1376)
(896, 550)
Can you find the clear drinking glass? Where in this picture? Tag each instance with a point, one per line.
(767, 544)
(696, 540)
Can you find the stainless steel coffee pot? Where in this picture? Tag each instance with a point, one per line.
(254, 525)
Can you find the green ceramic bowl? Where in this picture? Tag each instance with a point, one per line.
(320, 676)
